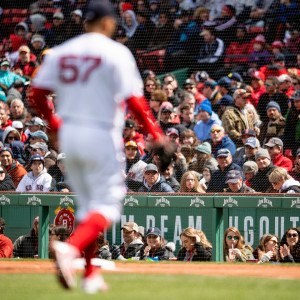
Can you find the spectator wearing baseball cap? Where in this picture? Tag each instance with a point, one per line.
(236, 119)
(155, 248)
(250, 147)
(235, 182)
(130, 133)
(153, 181)
(36, 124)
(260, 182)
(38, 136)
(275, 124)
(134, 166)
(37, 180)
(275, 148)
(203, 158)
(132, 245)
(203, 126)
(6, 245)
(285, 85)
(218, 178)
(211, 92)
(250, 169)
(11, 165)
(75, 25)
(236, 80)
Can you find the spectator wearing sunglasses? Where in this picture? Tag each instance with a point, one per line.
(290, 246)
(219, 139)
(234, 248)
(10, 134)
(269, 250)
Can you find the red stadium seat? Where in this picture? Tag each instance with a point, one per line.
(153, 60)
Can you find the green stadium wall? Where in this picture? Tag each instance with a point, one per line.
(253, 215)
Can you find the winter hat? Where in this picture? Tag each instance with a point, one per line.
(204, 148)
(273, 104)
(206, 106)
(260, 39)
(262, 153)
(250, 166)
(38, 38)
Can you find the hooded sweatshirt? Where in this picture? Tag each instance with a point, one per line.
(31, 183)
(290, 186)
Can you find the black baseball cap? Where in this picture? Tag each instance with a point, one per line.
(99, 9)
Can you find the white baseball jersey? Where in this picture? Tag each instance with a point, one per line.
(92, 75)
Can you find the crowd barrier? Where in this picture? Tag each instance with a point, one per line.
(213, 213)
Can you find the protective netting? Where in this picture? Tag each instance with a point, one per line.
(222, 79)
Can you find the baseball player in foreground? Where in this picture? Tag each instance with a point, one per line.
(92, 76)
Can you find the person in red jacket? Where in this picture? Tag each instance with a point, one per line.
(276, 68)
(130, 134)
(26, 64)
(6, 245)
(275, 148)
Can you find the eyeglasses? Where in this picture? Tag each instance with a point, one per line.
(215, 130)
(292, 235)
(150, 84)
(230, 237)
(273, 242)
(33, 149)
(11, 138)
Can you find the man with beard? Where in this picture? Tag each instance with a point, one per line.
(274, 125)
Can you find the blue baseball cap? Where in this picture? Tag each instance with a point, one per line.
(154, 231)
(40, 135)
(224, 152)
(233, 176)
(36, 157)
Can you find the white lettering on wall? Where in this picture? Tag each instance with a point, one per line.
(294, 221)
(163, 229)
(177, 229)
(198, 224)
(248, 233)
(264, 226)
(150, 221)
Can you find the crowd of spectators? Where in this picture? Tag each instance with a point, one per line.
(149, 244)
(234, 120)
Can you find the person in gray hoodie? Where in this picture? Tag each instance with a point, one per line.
(283, 182)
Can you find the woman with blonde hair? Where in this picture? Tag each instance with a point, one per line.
(195, 246)
(283, 182)
(234, 248)
(190, 183)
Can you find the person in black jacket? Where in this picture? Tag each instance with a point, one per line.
(27, 245)
(260, 182)
(132, 245)
(6, 182)
(195, 246)
(218, 178)
(155, 249)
